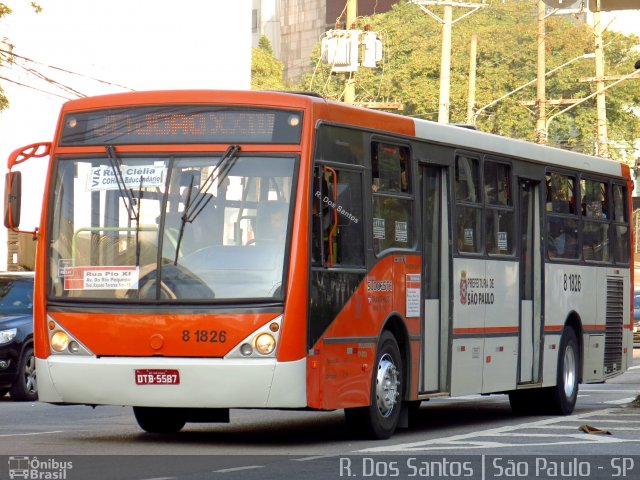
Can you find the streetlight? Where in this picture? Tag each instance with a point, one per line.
(597, 92)
(586, 55)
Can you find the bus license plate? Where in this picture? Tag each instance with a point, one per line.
(157, 377)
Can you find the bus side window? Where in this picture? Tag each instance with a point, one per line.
(337, 223)
(562, 218)
(392, 204)
(595, 225)
(468, 205)
(621, 247)
(499, 212)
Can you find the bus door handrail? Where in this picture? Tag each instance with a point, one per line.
(332, 232)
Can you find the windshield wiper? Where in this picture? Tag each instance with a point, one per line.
(183, 222)
(218, 174)
(201, 199)
(133, 208)
(137, 215)
(116, 163)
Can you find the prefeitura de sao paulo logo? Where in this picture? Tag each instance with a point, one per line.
(463, 287)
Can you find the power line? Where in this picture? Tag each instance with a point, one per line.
(49, 80)
(34, 88)
(10, 54)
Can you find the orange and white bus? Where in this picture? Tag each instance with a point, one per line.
(207, 250)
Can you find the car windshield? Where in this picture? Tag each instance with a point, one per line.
(170, 228)
(16, 296)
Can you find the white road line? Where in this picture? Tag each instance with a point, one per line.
(470, 440)
(161, 478)
(238, 469)
(307, 459)
(620, 401)
(35, 433)
(573, 427)
(634, 368)
(592, 390)
(594, 419)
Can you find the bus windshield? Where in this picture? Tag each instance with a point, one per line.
(170, 228)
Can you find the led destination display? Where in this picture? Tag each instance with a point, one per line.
(181, 124)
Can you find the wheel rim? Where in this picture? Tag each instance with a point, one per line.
(30, 382)
(387, 383)
(569, 372)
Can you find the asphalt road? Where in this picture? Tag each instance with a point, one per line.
(469, 437)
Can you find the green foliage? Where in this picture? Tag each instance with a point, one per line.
(506, 60)
(6, 10)
(4, 102)
(266, 69)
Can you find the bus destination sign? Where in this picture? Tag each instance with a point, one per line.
(181, 124)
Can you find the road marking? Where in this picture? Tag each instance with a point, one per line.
(620, 401)
(238, 469)
(475, 440)
(634, 368)
(573, 427)
(307, 459)
(161, 478)
(600, 390)
(35, 433)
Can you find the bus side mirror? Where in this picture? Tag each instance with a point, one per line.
(12, 199)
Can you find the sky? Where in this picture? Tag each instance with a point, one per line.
(138, 44)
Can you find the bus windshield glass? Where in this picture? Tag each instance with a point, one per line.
(170, 228)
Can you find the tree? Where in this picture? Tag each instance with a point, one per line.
(266, 69)
(410, 72)
(4, 11)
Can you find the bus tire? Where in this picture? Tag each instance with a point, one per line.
(561, 399)
(379, 420)
(160, 420)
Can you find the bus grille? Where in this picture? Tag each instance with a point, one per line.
(614, 330)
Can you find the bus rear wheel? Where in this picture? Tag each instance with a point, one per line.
(380, 419)
(160, 420)
(561, 399)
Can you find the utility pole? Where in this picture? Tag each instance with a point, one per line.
(541, 97)
(602, 149)
(473, 60)
(445, 65)
(447, 22)
(350, 81)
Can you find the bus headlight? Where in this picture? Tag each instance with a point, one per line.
(261, 344)
(265, 343)
(59, 341)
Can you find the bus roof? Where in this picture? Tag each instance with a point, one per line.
(340, 113)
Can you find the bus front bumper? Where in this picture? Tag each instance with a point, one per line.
(204, 383)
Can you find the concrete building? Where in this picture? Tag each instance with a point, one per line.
(294, 27)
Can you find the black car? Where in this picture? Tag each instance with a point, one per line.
(17, 362)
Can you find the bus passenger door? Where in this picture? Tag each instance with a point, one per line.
(530, 281)
(435, 283)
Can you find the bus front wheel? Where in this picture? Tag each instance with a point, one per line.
(380, 419)
(160, 420)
